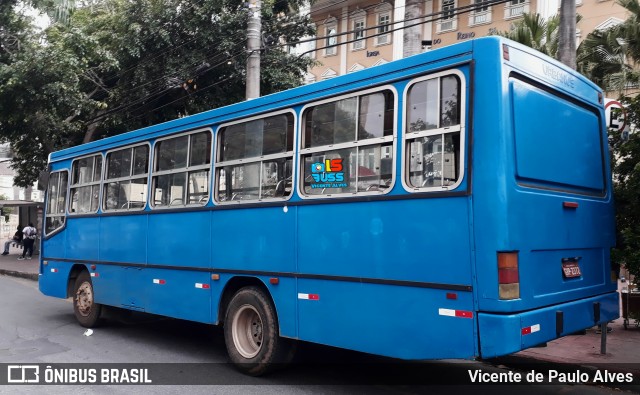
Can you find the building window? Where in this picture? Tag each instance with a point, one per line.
(355, 67)
(309, 78)
(56, 201)
(358, 27)
(85, 185)
(126, 174)
(347, 146)
(515, 8)
(449, 19)
(331, 37)
(383, 18)
(328, 74)
(305, 48)
(433, 133)
(181, 170)
(255, 160)
(481, 13)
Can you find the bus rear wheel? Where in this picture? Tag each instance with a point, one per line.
(86, 310)
(251, 333)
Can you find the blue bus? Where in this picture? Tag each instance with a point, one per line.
(454, 204)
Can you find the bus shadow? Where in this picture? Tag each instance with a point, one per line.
(313, 364)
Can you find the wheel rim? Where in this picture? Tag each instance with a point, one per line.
(84, 299)
(246, 329)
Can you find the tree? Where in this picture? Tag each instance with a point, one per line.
(626, 176)
(567, 33)
(536, 32)
(45, 93)
(119, 65)
(630, 29)
(609, 57)
(602, 58)
(411, 35)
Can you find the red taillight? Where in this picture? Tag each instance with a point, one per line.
(508, 278)
(570, 204)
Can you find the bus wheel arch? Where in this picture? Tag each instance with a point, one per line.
(232, 287)
(73, 275)
(251, 329)
(85, 309)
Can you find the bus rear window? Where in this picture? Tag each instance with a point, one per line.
(562, 149)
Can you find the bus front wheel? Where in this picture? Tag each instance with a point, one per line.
(251, 333)
(86, 310)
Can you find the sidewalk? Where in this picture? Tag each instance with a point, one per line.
(11, 266)
(622, 350)
(623, 346)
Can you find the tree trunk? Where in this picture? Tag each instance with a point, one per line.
(567, 33)
(91, 129)
(412, 41)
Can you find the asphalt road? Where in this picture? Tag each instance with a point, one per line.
(35, 329)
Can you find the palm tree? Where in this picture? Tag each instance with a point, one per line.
(412, 42)
(602, 58)
(630, 29)
(536, 32)
(609, 57)
(567, 33)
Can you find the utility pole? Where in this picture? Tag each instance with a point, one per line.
(567, 33)
(254, 43)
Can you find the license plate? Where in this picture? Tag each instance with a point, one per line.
(571, 269)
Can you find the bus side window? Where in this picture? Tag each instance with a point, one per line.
(85, 184)
(255, 159)
(433, 131)
(364, 124)
(181, 170)
(56, 201)
(126, 174)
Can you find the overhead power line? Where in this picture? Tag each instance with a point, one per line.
(433, 17)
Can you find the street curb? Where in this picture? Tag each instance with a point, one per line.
(13, 273)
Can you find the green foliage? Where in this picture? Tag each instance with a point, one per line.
(609, 57)
(118, 65)
(6, 210)
(626, 175)
(536, 32)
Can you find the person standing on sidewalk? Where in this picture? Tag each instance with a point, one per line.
(17, 238)
(29, 233)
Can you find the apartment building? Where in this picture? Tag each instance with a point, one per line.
(356, 34)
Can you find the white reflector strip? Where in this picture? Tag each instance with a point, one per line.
(531, 329)
(54, 270)
(455, 313)
(158, 281)
(203, 286)
(309, 296)
(447, 312)
(94, 275)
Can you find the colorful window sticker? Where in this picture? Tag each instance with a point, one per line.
(328, 174)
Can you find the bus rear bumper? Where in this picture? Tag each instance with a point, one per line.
(505, 334)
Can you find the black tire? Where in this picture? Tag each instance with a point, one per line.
(251, 333)
(85, 308)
